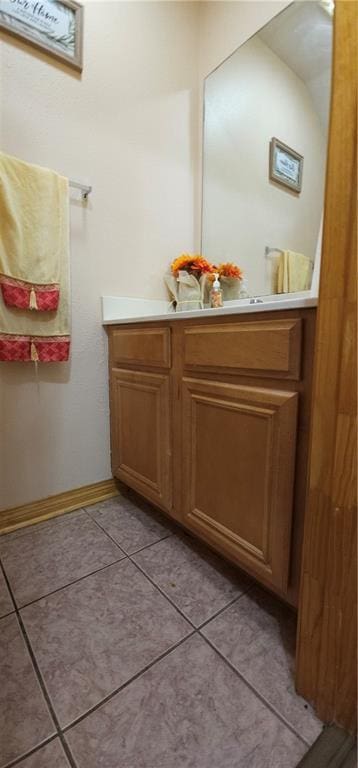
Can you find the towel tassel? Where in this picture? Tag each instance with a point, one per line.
(33, 301)
(34, 355)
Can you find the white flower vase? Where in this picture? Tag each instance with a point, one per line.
(186, 291)
(230, 287)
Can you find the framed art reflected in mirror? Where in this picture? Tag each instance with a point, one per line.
(286, 165)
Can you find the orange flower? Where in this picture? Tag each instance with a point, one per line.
(229, 270)
(193, 263)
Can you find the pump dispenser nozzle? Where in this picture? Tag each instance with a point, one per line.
(216, 294)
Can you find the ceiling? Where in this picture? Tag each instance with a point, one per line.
(302, 37)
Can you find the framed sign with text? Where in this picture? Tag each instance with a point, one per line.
(55, 26)
(286, 165)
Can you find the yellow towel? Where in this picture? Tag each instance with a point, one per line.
(44, 336)
(32, 244)
(294, 272)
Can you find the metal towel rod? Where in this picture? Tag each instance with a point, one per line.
(85, 189)
(269, 251)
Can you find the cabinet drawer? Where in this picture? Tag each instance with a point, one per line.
(147, 346)
(271, 348)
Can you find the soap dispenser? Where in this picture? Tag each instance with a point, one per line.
(244, 292)
(216, 294)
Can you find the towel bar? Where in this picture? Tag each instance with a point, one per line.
(85, 189)
(269, 251)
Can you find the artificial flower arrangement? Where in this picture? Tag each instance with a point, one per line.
(194, 264)
(191, 277)
(186, 281)
(228, 269)
(230, 276)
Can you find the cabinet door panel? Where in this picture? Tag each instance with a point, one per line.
(238, 456)
(140, 433)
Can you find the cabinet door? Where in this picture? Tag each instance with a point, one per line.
(140, 433)
(238, 456)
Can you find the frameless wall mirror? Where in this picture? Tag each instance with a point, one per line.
(266, 115)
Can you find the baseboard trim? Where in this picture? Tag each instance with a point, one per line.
(37, 511)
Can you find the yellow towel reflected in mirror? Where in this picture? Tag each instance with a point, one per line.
(294, 272)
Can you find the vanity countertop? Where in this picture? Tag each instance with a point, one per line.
(119, 310)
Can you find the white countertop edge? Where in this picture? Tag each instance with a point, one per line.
(117, 310)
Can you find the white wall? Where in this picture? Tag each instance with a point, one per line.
(131, 126)
(128, 126)
(224, 26)
(253, 96)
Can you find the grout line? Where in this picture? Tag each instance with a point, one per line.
(33, 526)
(167, 536)
(221, 610)
(44, 743)
(195, 629)
(184, 616)
(37, 670)
(164, 594)
(255, 691)
(7, 614)
(156, 585)
(2, 570)
(136, 551)
(127, 683)
(70, 583)
(67, 750)
(61, 731)
(53, 591)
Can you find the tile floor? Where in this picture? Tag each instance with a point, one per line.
(126, 644)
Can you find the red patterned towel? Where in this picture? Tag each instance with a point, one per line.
(31, 236)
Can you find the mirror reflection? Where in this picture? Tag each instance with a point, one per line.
(265, 144)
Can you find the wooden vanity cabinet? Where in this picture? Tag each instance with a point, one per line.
(209, 420)
(140, 362)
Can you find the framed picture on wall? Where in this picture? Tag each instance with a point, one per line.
(286, 165)
(54, 26)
